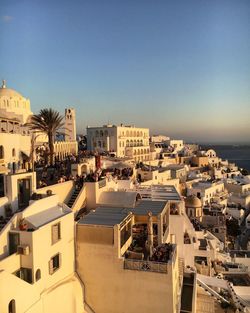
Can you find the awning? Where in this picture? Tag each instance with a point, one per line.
(4, 170)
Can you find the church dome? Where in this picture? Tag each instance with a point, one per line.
(14, 104)
(193, 202)
(9, 93)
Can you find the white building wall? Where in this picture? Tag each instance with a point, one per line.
(205, 192)
(13, 146)
(60, 292)
(122, 140)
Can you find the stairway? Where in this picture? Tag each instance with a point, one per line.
(211, 291)
(73, 197)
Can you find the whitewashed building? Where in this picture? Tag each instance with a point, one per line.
(123, 140)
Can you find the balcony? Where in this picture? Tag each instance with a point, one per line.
(145, 266)
(164, 255)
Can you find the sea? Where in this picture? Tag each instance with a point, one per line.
(238, 154)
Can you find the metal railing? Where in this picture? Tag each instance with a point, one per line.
(145, 266)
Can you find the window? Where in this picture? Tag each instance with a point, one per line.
(56, 233)
(38, 274)
(12, 306)
(13, 152)
(54, 264)
(1, 186)
(25, 274)
(1, 152)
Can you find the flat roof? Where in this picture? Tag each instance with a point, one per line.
(105, 216)
(145, 206)
(118, 198)
(47, 216)
(158, 192)
(110, 216)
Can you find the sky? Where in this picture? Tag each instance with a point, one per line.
(181, 68)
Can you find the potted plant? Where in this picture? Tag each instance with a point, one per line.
(22, 224)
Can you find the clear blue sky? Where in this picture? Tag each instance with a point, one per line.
(181, 68)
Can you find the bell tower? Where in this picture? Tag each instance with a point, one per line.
(70, 125)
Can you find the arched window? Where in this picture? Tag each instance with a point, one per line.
(101, 133)
(97, 133)
(13, 152)
(12, 306)
(1, 152)
(38, 274)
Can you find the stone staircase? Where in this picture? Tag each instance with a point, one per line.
(211, 291)
(73, 197)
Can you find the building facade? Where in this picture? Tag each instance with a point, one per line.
(16, 138)
(124, 141)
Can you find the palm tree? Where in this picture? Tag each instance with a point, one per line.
(48, 122)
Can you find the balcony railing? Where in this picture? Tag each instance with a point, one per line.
(145, 266)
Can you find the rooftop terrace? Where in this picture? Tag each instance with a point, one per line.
(110, 216)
